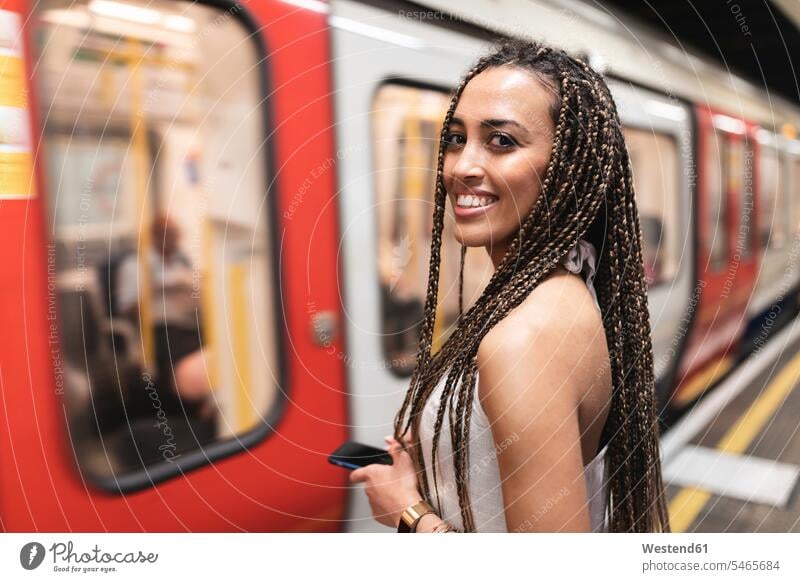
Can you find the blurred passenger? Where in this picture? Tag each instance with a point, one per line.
(175, 317)
(652, 231)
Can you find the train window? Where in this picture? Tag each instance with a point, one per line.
(162, 255)
(406, 124)
(716, 227)
(773, 225)
(654, 163)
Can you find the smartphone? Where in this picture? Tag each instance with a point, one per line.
(353, 455)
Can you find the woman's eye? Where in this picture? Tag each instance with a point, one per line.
(453, 139)
(502, 140)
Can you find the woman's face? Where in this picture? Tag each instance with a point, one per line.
(497, 151)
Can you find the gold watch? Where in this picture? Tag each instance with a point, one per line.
(411, 516)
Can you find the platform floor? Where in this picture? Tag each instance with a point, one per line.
(739, 471)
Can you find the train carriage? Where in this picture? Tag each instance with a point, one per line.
(259, 176)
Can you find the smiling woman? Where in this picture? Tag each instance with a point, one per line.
(561, 432)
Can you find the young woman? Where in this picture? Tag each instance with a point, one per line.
(560, 434)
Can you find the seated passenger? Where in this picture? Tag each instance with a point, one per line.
(176, 321)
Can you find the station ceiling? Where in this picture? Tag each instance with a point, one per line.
(756, 39)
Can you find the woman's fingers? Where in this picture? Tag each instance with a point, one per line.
(358, 475)
(406, 439)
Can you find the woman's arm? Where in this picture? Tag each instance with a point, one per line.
(531, 369)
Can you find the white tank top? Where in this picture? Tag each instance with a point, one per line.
(485, 490)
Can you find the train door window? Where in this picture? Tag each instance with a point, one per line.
(162, 252)
(654, 164)
(716, 228)
(740, 181)
(773, 224)
(406, 123)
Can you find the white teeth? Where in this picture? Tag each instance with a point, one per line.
(470, 201)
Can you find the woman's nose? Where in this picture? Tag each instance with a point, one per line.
(469, 165)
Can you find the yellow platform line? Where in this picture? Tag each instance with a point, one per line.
(690, 501)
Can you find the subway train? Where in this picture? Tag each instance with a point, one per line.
(215, 222)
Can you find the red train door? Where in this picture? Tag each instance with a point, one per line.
(728, 249)
(169, 288)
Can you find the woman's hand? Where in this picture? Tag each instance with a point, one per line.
(390, 488)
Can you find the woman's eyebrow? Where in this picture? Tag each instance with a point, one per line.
(492, 123)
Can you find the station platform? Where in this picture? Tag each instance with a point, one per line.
(732, 463)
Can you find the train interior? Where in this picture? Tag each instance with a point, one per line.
(154, 148)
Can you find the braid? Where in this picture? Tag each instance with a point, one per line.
(461, 282)
(587, 190)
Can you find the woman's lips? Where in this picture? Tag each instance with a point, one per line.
(464, 212)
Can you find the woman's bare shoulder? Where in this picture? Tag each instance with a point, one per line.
(561, 303)
(558, 317)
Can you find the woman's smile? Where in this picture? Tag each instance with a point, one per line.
(473, 202)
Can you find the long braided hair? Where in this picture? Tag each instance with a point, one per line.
(587, 191)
